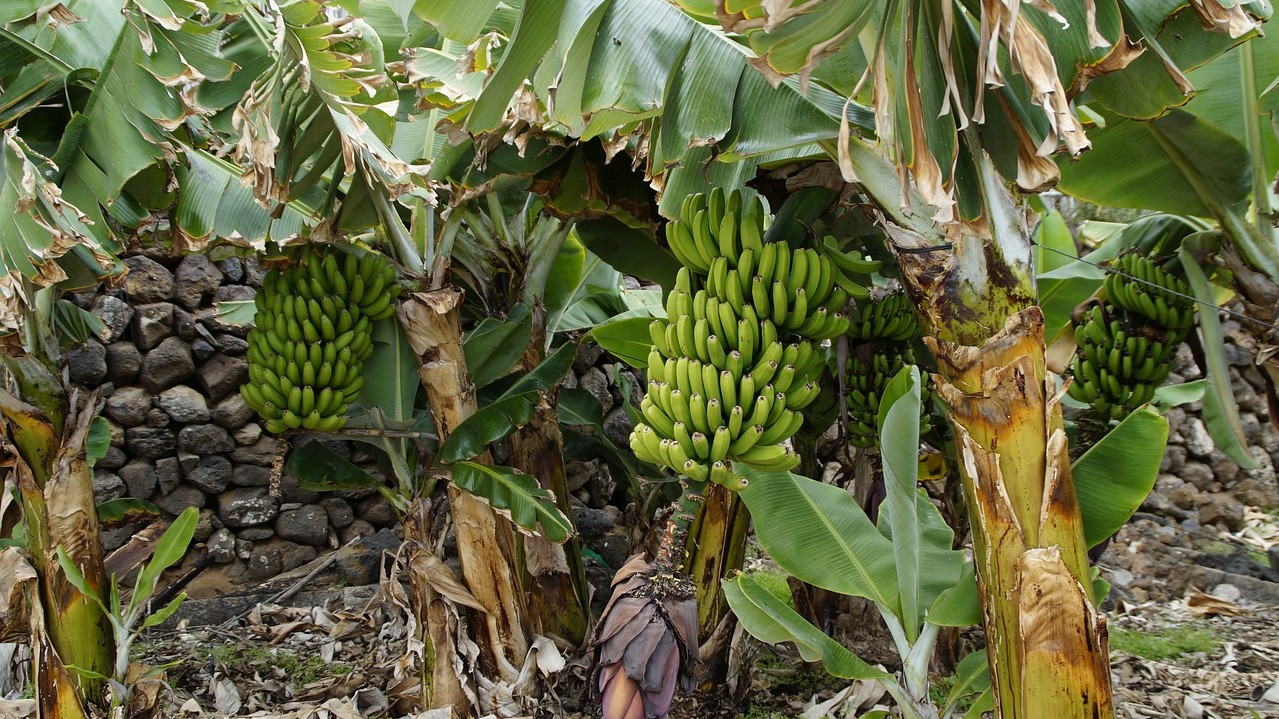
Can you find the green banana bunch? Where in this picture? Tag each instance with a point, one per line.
(801, 291)
(1160, 296)
(312, 335)
(713, 401)
(869, 370)
(736, 360)
(1118, 364)
(886, 319)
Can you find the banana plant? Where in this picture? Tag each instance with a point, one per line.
(905, 563)
(389, 418)
(1211, 161)
(514, 262)
(129, 619)
(960, 101)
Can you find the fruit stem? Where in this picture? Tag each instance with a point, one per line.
(674, 534)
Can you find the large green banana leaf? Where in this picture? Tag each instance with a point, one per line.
(644, 73)
(770, 620)
(1178, 163)
(135, 59)
(931, 69)
(923, 545)
(1116, 475)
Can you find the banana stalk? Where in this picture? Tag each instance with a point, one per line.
(435, 625)
(432, 324)
(555, 576)
(56, 490)
(1047, 642)
(716, 548)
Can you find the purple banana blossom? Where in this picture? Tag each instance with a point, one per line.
(646, 642)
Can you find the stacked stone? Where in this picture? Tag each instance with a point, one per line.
(1198, 485)
(181, 435)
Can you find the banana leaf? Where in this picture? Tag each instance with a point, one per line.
(122, 512)
(1221, 412)
(818, 534)
(589, 297)
(1116, 474)
(319, 468)
(495, 345)
(771, 621)
(626, 339)
(487, 425)
(516, 495)
(510, 411)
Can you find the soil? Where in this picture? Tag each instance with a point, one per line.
(1176, 653)
(1191, 615)
(281, 661)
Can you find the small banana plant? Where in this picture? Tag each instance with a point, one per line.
(130, 619)
(905, 564)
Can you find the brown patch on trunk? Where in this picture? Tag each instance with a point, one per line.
(1057, 619)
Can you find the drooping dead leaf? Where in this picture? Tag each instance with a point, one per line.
(17, 708)
(1230, 17)
(849, 701)
(442, 580)
(15, 573)
(135, 551)
(145, 682)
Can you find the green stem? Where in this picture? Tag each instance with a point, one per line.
(1252, 133)
(676, 531)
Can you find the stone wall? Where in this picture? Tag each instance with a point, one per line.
(1198, 484)
(181, 436)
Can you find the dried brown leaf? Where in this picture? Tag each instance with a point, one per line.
(15, 573)
(1206, 605)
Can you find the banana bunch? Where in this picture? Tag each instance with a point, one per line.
(869, 370)
(1160, 296)
(881, 328)
(800, 290)
(736, 360)
(887, 319)
(722, 388)
(311, 337)
(1117, 370)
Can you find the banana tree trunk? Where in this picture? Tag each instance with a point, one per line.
(485, 541)
(556, 578)
(56, 489)
(436, 628)
(716, 548)
(1047, 642)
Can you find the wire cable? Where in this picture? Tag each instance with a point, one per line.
(1192, 298)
